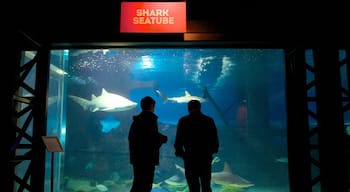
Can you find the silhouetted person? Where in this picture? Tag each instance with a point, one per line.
(144, 144)
(196, 141)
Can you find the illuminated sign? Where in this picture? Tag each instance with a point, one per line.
(153, 17)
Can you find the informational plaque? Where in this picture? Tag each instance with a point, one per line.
(52, 143)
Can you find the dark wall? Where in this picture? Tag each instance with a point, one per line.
(286, 22)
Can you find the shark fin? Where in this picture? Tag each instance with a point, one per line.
(104, 92)
(227, 168)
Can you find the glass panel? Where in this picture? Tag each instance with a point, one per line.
(243, 90)
(56, 119)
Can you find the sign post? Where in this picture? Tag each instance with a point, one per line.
(52, 144)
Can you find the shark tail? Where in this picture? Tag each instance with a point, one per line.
(162, 95)
(84, 103)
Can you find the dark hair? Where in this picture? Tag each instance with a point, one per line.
(194, 105)
(147, 102)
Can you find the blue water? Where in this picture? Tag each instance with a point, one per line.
(246, 88)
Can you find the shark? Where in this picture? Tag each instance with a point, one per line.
(228, 179)
(181, 99)
(106, 102)
(225, 178)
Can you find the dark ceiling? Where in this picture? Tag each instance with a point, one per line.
(241, 20)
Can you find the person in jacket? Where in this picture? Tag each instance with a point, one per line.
(144, 145)
(196, 141)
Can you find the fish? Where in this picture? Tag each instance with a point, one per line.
(156, 185)
(106, 102)
(225, 178)
(216, 159)
(101, 187)
(282, 160)
(176, 181)
(157, 188)
(181, 99)
(84, 185)
(109, 123)
(57, 70)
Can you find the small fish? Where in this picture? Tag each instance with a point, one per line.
(215, 160)
(156, 185)
(101, 188)
(282, 160)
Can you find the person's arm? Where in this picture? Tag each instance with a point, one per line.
(132, 143)
(162, 138)
(215, 137)
(179, 140)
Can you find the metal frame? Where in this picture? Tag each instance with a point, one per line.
(29, 123)
(317, 103)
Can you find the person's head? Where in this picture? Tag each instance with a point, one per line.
(148, 103)
(193, 105)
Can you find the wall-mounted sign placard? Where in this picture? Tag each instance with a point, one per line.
(153, 17)
(52, 143)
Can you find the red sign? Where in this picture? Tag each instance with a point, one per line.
(153, 17)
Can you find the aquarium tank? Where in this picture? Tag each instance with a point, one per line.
(94, 93)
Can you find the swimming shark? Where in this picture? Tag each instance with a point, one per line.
(107, 102)
(225, 178)
(182, 99)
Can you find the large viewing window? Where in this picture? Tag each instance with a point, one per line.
(93, 94)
